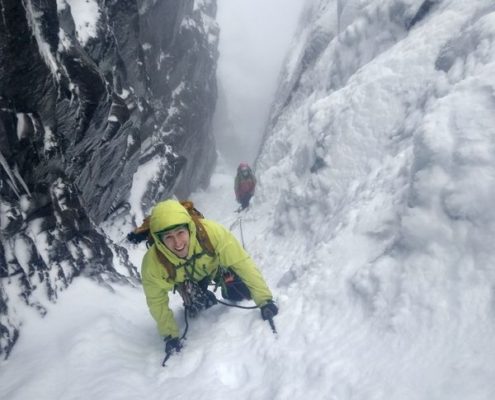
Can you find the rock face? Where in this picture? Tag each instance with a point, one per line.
(90, 91)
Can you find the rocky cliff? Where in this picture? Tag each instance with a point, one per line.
(90, 91)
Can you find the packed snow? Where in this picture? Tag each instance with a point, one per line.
(85, 14)
(372, 223)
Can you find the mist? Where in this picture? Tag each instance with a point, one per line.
(255, 36)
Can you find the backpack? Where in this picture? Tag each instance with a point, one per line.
(246, 187)
(245, 183)
(142, 232)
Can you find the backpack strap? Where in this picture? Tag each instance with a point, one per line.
(201, 234)
(203, 238)
(193, 211)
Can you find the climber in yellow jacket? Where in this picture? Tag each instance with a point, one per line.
(177, 260)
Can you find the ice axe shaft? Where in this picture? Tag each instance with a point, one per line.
(167, 356)
(272, 325)
(269, 317)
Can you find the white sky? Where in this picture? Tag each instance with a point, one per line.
(382, 261)
(254, 38)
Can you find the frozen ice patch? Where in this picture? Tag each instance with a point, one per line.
(86, 14)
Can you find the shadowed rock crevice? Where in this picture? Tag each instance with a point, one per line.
(81, 110)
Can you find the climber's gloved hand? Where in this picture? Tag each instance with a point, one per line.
(172, 344)
(210, 299)
(269, 310)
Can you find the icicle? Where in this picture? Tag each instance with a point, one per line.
(24, 126)
(3, 15)
(50, 142)
(21, 180)
(33, 19)
(7, 169)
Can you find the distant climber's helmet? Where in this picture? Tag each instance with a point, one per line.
(243, 166)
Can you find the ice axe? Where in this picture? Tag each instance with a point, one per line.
(268, 316)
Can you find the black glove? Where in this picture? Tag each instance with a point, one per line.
(172, 344)
(137, 237)
(210, 299)
(269, 310)
(201, 300)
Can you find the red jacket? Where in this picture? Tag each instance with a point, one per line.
(245, 183)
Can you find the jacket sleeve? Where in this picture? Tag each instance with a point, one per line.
(156, 290)
(232, 255)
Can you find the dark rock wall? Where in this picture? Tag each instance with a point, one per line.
(77, 119)
(183, 86)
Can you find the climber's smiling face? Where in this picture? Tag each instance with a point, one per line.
(177, 240)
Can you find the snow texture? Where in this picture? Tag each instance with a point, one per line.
(85, 14)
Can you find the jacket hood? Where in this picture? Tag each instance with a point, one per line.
(167, 214)
(243, 166)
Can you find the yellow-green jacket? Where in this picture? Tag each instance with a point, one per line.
(228, 253)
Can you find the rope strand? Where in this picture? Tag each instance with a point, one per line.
(242, 234)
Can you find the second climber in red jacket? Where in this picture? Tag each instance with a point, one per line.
(245, 183)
